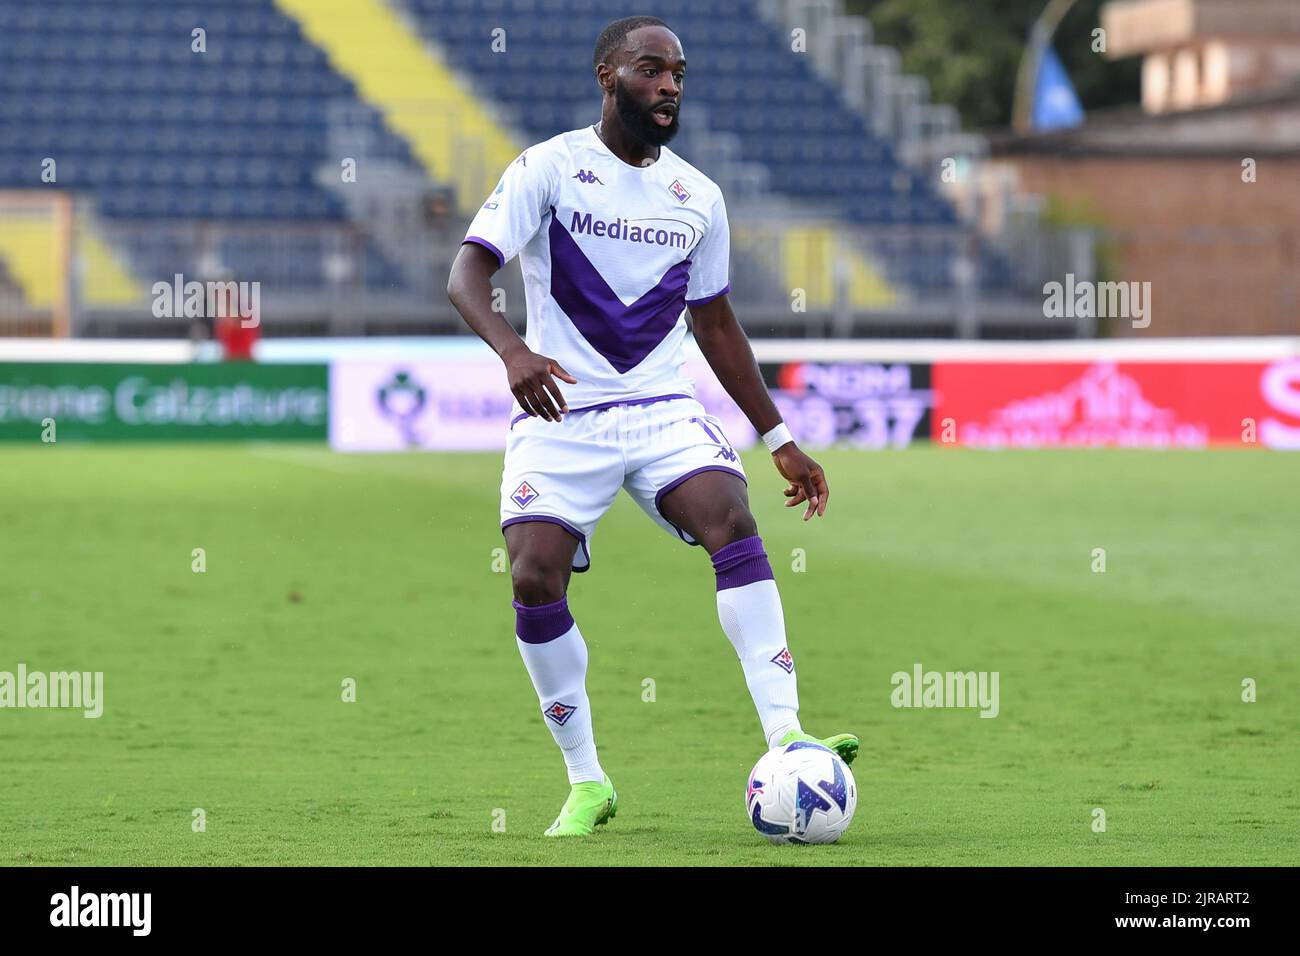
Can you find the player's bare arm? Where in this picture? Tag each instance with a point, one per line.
(726, 348)
(531, 376)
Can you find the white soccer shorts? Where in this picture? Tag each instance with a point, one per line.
(569, 472)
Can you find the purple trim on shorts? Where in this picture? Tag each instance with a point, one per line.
(479, 240)
(604, 405)
(659, 495)
(582, 538)
(634, 401)
(708, 431)
(542, 623)
(741, 562)
(709, 298)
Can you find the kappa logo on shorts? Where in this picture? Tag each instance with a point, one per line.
(560, 712)
(784, 660)
(524, 495)
(724, 451)
(678, 190)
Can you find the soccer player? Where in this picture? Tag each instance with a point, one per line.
(617, 237)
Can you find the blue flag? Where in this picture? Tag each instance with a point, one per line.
(1055, 104)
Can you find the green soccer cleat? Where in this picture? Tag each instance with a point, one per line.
(846, 745)
(589, 805)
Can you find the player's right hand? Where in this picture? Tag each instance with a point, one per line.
(531, 382)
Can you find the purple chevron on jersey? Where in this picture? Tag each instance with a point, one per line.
(623, 334)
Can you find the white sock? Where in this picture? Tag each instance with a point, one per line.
(749, 608)
(556, 657)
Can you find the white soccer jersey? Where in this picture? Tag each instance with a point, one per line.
(611, 255)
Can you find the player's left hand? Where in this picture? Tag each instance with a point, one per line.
(806, 477)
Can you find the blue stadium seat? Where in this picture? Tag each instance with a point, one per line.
(113, 92)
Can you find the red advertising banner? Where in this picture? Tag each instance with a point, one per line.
(1122, 404)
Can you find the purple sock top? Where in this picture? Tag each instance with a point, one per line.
(741, 562)
(543, 622)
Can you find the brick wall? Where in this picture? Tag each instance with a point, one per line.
(1222, 255)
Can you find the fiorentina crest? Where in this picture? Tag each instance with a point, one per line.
(559, 712)
(524, 495)
(678, 190)
(784, 660)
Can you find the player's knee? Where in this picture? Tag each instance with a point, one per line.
(535, 584)
(733, 523)
(740, 524)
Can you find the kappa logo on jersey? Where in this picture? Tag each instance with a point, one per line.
(585, 176)
(784, 660)
(678, 190)
(560, 712)
(524, 495)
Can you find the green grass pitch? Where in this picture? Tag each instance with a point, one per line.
(1119, 690)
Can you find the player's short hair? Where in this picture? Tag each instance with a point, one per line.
(612, 37)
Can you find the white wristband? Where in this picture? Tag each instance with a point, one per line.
(777, 437)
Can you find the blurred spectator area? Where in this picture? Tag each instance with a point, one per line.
(334, 150)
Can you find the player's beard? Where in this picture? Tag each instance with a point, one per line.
(637, 118)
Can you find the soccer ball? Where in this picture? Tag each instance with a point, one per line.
(801, 793)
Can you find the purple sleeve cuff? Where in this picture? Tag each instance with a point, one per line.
(501, 260)
(708, 298)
